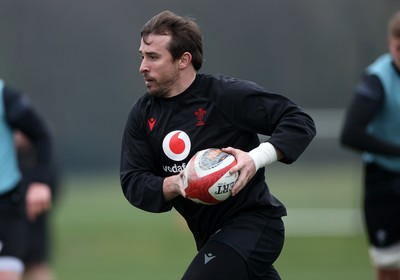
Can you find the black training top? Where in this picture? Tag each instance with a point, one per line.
(366, 102)
(21, 115)
(162, 134)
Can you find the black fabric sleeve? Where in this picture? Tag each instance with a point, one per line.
(366, 102)
(21, 115)
(139, 183)
(290, 129)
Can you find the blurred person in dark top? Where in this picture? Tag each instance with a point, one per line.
(372, 127)
(17, 113)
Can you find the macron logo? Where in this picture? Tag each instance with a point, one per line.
(208, 257)
(151, 122)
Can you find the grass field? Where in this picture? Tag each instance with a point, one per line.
(98, 235)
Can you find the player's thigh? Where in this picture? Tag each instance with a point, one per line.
(249, 244)
(382, 206)
(11, 242)
(216, 261)
(257, 238)
(37, 240)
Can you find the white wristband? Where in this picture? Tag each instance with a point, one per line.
(263, 155)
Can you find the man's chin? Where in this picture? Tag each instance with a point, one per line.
(156, 93)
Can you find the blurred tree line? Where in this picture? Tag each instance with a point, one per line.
(78, 59)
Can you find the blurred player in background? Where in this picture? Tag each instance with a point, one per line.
(16, 112)
(184, 112)
(36, 257)
(372, 126)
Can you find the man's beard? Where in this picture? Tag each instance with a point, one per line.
(161, 90)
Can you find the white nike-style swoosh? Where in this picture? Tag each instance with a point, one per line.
(208, 258)
(215, 232)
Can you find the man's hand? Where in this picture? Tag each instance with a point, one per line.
(38, 200)
(173, 186)
(245, 165)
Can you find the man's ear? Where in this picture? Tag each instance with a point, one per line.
(185, 60)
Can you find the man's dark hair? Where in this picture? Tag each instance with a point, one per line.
(185, 35)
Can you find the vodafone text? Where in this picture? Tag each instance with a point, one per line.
(175, 168)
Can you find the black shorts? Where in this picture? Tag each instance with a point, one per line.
(244, 248)
(37, 242)
(12, 226)
(382, 206)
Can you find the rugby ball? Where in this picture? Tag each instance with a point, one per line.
(206, 177)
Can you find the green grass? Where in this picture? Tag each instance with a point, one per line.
(327, 258)
(99, 235)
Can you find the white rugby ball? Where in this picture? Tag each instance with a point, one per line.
(206, 177)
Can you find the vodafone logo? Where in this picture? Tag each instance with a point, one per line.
(176, 145)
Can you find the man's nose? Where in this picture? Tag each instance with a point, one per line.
(143, 66)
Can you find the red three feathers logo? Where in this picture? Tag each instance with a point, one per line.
(200, 113)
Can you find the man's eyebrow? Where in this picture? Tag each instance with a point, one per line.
(147, 53)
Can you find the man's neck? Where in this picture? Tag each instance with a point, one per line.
(185, 80)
